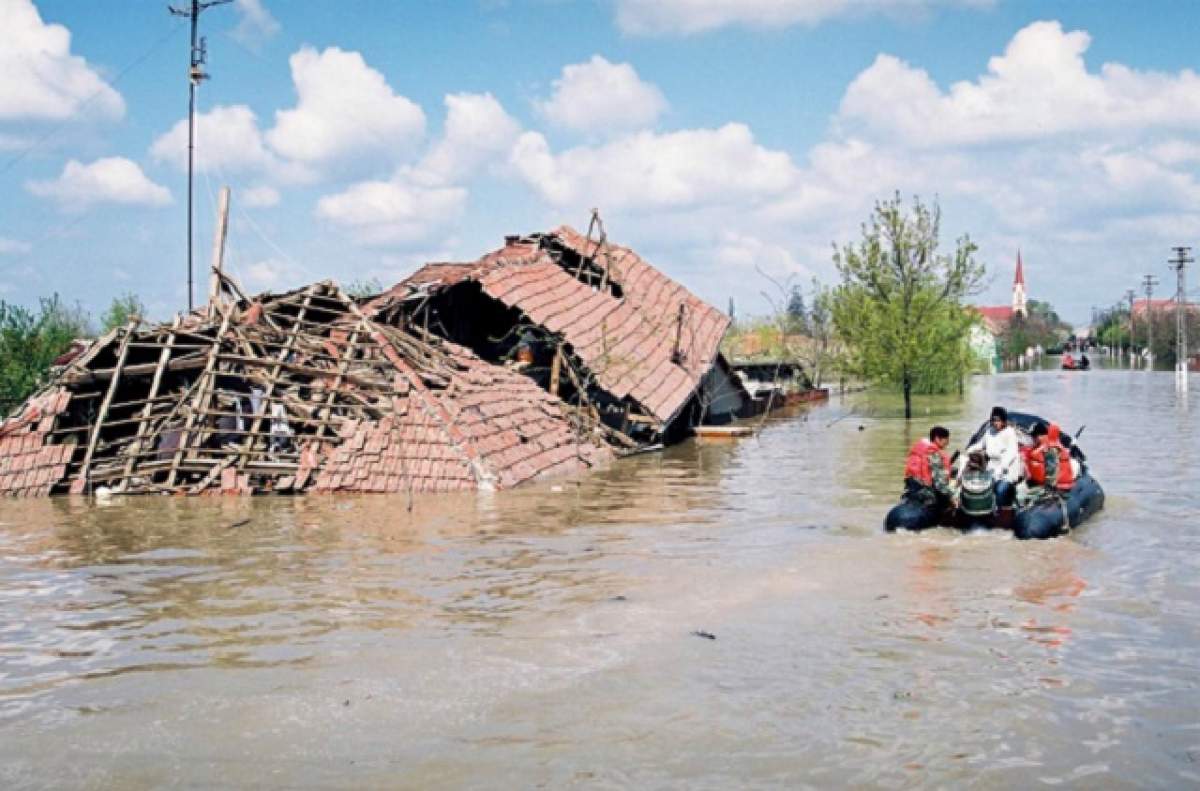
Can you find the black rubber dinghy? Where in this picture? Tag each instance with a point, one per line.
(1043, 519)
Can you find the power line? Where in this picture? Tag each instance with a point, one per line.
(196, 73)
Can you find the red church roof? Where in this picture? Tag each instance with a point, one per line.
(1020, 278)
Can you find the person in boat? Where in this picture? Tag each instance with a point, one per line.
(1042, 463)
(999, 444)
(927, 471)
(1068, 468)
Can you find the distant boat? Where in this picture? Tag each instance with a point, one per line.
(1072, 363)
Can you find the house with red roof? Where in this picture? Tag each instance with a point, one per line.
(997, 317)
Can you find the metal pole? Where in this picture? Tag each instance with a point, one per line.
(1179, 264)
(1150, 281)
(197, 56)
(191, 157)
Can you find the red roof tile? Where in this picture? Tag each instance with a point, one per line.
(628, 342)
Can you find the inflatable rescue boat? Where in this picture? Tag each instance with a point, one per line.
(1045, 517)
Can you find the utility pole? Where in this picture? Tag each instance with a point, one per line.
(198, 57)
(1132, 337)
(1179, 264)
(1149, 282)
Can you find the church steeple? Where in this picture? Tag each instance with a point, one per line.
(1018, 292)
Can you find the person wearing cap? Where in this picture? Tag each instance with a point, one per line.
(999, 444)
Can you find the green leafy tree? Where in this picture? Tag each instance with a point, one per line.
(1041, 327)
(30, 341)
(1163, 341)
(899, 308)
(361, 289)
(121, 310)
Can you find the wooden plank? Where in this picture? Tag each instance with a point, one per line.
(155, 383)
(218, 253)
(723, 432)
(555, 369)
(343, 366)
(201, 399)
(94, 438)
(273, 380)
(142, 369)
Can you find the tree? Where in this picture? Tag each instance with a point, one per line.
(121, 310)
(361, 289)
(899, 308)
(822, 331)
(797, 314)
(29, 343)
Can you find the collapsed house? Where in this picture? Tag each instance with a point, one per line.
(551, 355)
(287, 393)
(591, 322)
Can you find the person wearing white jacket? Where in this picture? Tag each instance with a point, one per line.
(999, 444)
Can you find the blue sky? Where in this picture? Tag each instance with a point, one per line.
(719, 138)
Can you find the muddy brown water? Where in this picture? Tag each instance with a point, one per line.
(544, 636)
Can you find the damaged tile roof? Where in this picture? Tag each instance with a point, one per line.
(642, 335)
(292, 392)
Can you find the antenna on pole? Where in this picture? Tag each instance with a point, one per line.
(1179, 264)
(1149, 282)
(198, 57)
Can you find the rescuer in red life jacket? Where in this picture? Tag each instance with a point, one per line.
(1041, 464)
(927, 471)
(1066, 473)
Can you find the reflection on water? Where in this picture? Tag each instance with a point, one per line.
(545, 636)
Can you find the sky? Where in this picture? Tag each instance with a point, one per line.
(732, 143)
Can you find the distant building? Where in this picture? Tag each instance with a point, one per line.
(997, 317)
(1143, 306)
(1018, 295)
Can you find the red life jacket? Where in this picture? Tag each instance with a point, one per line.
(1035, 464)
(1066, 475)
(919, 467)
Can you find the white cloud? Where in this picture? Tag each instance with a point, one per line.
(395, 212)
(686, 169)
(273, 273)
(255, 24)
(260, 197)
(14, 246)
(1040, 87)
(227, 138)
(1176, 152)
(344, 107)
(599, 95)
(746, 255)
(42, 79)
(107, 180)
(648, 17)
(477, 131)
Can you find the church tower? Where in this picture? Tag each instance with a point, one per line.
(1018, 299)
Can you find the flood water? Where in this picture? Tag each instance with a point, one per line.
(545, 636)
